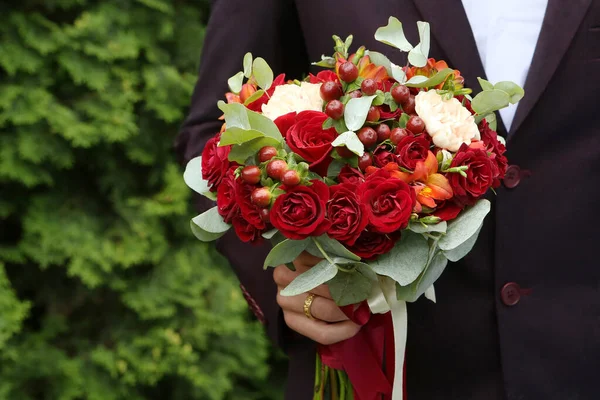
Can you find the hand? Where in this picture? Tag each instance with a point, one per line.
(330, 325)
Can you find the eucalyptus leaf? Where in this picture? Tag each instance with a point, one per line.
(203, 235)
(416, 80)
(240, 153)
(235, 115)
(255, 96)
(235, 82)
(264, 125)
(515, 91)
(393, 35)
(330, 247)
(489, 101)
(464, 249)
(326, 62)
(406, 260)
(485, 85)
(431, 274)
(356, 112)
(417, 227)
(310, 279)
(209, 225)
(380, 60)
(352, 287)
(464, 226)
(262, 73)
(398, 73)
(193, 178)
(419, 54)
(491, 120)
(435, 80)
(351, 142)
(270, 234)
(285, 252)
(248, 65)
(236, 135)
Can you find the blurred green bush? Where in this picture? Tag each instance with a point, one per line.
(104, 292)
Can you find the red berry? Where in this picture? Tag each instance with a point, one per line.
(261, 197)
(348, 72)
(366, 160)
(335, 109)
(400, 94)
(331, 90)
(265, 214)
(367, 136)
(398, 134)
(368, 87)
(383, 132)
(409, 106)
(251, 174)
(344, 152)
(290, 178)
(266, 153)
(355, 94)
(374, 114)
(276, 169)
(415, 124)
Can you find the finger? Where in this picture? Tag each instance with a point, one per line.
(319, 331)
(321, 308)
(283, 276)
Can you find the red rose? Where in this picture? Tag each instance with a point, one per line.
(300, 212)
(257, 104)
(371, 244)
(480, 175)
(493, 145)
(226, 198)
(411, 150)
(351, 175)
(324, 76)
(447, 210)
(464, 101)
(389, 201)
(347, 214)
(215, 162)
(382, 156)
(386, 113)
(285, 122)
(249, 211)
(246, 231)
(308, 139)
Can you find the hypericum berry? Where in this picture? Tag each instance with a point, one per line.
(265, 214)
(398, 134)
(400, 94)
(367, 136)
(290, 178)
(383, 132)
(261, 197)
(374, 114)
(366, 160)
(334, 109)
(276, 169)
(355, 94)
(348, 72)
(344, 152)
(415, 124)
(368, 87)
(251, 174)
(331, 90)
(409, 106)
(266, 153)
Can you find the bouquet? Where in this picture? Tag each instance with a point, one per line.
(380, 170)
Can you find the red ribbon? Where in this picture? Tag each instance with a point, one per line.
(368, 357)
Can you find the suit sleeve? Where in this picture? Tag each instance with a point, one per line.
(268, 29)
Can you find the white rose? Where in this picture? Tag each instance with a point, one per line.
(448, 122)
(289, 98)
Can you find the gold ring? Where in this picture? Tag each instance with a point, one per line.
(307, 304)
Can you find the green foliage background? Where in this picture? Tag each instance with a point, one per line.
(104, 292)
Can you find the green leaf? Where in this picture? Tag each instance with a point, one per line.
(489, 101)
(248, 65)
(235, 82)
(285, 252)
(270, 234)
(352, 287)
(355, 113)
(418, 227)
(380, 60)
(418, 55)
(515, 91)
(435, 80)
(262, 73)
(240, 153)
(351, 142)
(238, 116)
(379, 99)
(236, 135)
(464, 226)
(331, 247)
(398, 73)
(416, 80)
(209, 225)
(485, 85)
(326, 62)
(403, 120)
(340, 126)
(255, 96)
(464, 249)
(317, 275)
(335, 168)
(393, 35)
(491, 120)
(328, 123)
(193, 178)
(434, 270)
(406, 260)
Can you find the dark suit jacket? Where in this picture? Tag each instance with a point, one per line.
(542, 234)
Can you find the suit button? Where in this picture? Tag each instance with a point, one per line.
(512, 178)
(510, 293)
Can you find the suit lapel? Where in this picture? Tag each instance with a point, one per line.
(558, 29)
